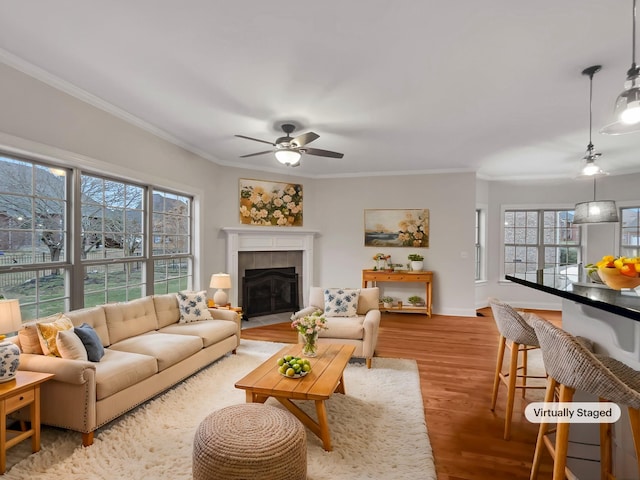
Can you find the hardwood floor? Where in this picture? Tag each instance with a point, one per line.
(456, 358)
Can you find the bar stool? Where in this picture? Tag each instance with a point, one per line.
(572, 366)
(516, 334)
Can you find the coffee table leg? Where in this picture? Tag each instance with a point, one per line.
(255, 398)
(323, 423)
(340, 387)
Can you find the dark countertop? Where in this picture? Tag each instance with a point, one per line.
(626, 304)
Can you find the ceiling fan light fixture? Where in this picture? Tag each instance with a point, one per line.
(287, 157)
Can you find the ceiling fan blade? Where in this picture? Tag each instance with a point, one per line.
(255, 139)
(322, 153)
(302, 140)
(254, 154)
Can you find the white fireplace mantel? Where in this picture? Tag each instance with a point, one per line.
(270, 239)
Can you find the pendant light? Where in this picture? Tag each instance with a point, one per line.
(602, 211)
(627, 108)
(590, 167)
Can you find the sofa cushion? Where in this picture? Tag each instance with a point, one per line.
(344, 327)
(135, 317)
(167, 310)
(47, 332)
(193, 306)
(90, 341)
(94, 316)
(341, 302)
(118, 370)
(369, 300)
(210, 332)
(70, 346)
(168, 349)
(29, 339)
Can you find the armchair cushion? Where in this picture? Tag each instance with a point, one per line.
(341, 327)
(339, 302)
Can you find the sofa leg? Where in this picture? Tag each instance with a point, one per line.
(369, 362)
(87, 439)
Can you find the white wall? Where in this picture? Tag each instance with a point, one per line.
(38, 119)
(335, 207)
(599, 240)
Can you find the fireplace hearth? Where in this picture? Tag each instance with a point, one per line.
(270, 290)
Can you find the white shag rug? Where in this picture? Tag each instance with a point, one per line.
(378, 429)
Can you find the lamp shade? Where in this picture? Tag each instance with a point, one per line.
(220, 280)
(10, 317)
(601, 211)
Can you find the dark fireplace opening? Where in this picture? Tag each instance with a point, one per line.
(270, 290)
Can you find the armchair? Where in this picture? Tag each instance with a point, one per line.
(359, 328)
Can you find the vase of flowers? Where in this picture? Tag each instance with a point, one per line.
(381, 261)
(309, 326)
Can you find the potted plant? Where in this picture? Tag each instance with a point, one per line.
(387, 302)
(415, 300)
(416, 261)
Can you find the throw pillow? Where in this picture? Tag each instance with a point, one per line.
(193, 307)
(91, 342)
(341, 302)
(47, 332)
(29, 339)
(70, 346)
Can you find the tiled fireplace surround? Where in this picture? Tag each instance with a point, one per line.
(265, 247)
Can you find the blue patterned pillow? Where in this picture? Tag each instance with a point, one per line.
(193, 307)
(341, 302)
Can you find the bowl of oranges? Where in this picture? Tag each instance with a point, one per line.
(621, 272)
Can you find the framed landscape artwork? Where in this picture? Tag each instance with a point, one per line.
(270, 203)
(396, 228)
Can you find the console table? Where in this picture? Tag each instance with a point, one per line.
(376, 276)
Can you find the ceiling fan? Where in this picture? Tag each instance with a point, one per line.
(288, 150)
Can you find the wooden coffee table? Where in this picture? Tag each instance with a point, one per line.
(325, 378)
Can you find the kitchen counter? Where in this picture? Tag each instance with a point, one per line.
(624, 303)
(611, 319)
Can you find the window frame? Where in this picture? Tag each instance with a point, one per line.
(540, 245)
(71, 263)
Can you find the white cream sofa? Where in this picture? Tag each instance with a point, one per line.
(360, 330)
(146, 352)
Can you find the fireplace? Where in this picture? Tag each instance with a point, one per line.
(270, 290)
(276, 240)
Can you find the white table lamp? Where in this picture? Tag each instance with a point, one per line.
(10, 321)
(221, 281)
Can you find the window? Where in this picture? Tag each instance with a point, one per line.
(630, 232)
(171, 252)
(479, 233)
(115, 258)
(112, 220)
(539, 239)
(34, 267)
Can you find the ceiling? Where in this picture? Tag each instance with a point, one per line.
(492, 87)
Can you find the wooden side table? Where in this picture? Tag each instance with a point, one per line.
(425, 277)
(22, 391)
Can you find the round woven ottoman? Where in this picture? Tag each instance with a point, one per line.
(250, 441)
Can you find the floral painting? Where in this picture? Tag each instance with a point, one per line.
(270, 203)
(396, 228)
